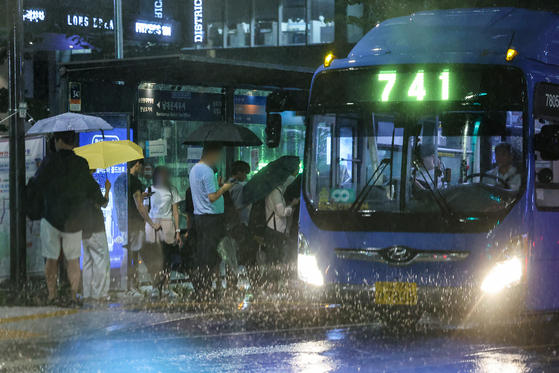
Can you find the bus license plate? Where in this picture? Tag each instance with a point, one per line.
(402, 293)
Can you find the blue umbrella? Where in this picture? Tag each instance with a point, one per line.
(69, 122)
(270, 177)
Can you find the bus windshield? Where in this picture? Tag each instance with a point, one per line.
(458, 152)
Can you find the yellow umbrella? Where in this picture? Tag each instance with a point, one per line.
(105, 154)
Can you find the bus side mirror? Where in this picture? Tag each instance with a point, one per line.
(273, 130)
(547, 142)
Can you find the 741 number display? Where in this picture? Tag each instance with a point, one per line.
(417, 90)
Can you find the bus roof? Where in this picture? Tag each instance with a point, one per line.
(483, 31)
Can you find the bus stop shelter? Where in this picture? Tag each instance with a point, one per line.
(159, 100)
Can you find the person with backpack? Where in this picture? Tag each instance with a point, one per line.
(163, 200)
(277, 227)
(64, 187)
(240, 171)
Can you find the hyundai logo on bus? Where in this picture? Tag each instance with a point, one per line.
(198, 22)
(398, 254)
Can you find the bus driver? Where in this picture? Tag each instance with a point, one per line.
(504, 170)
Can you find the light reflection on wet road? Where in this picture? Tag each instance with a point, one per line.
(231, 344)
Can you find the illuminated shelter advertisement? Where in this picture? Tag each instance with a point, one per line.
(34, 154)
(115, 237)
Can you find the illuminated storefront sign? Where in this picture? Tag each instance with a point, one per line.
(86, 21)
(150, 28)
(34, 15)
(158, 9)
(198, 22)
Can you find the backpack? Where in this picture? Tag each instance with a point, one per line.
(189, 204)
(34, 200)
(34, 196)
(230, 211)
(257, 220)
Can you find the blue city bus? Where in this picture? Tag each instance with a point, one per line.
(430, 169)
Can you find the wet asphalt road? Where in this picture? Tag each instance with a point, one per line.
(272, 338)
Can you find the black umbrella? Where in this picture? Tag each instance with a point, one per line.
(226, 134)
(268, 178)
(294, 189)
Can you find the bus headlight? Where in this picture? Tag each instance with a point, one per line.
(307, 267)
(511, 269)
(502, 275)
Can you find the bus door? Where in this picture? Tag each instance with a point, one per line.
(345, 149)
(543, 275)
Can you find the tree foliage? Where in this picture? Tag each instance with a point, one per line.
(376, 11)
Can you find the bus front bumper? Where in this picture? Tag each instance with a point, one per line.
(467, 300)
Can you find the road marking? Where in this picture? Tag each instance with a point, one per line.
(39, 316)
(18, 334)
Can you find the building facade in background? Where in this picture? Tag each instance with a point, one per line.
(287, 32)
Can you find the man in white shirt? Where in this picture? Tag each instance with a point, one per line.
(504, 170)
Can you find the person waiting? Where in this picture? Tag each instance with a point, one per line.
(163, 200)
(96, 259)
(207, 198)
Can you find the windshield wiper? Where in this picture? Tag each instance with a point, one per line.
(369, 186)
(439, 198)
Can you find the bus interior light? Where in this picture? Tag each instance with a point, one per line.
(511, 53)
(328, 60)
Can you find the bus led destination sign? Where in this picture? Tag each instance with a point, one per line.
(445, 84)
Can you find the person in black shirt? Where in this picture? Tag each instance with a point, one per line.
(66, 185)
(96, 260)
(132, 207)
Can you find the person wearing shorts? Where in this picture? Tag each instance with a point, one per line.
(66, 185)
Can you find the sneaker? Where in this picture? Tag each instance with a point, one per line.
(53, 302)
(134, 293)
(169, 293)
(75, 303)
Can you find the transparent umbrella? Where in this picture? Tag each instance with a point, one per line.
(69, 122)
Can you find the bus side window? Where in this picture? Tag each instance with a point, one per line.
(547, 179)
